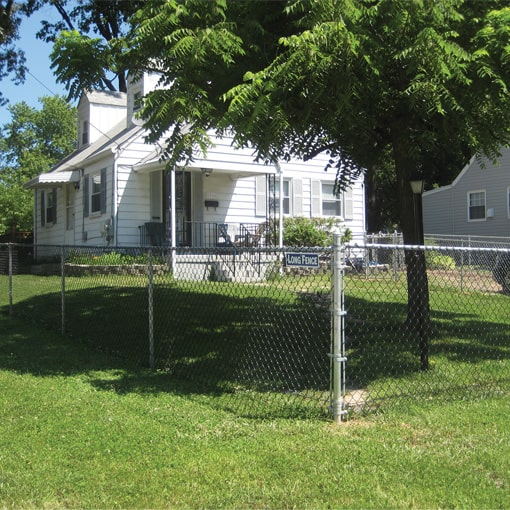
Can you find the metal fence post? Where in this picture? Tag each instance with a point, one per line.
(151, 308)
(338, 357)
(9, 249)
(63, 291)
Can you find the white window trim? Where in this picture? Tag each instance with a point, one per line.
(91, 194)
(471, 192)
(340, 199)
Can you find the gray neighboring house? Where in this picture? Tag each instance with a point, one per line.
(476, 203)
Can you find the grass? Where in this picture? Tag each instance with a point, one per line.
(82, 429)
(261, 349)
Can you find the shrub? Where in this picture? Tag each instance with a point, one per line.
(437, 260)
(302, 231)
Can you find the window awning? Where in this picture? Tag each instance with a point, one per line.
(53, 179)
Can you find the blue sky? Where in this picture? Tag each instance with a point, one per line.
(40, 80)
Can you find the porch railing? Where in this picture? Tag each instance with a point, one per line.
(208, 234)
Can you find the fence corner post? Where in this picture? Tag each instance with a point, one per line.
(338, 358)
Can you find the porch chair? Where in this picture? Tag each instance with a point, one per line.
(223, 237)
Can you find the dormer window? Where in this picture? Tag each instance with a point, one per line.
(85, 133)
(137, 100)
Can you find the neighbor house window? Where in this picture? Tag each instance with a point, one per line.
(331, 202)
(476, 205)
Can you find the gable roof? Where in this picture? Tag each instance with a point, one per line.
(108, 97)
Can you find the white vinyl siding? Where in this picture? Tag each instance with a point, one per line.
(476, 205)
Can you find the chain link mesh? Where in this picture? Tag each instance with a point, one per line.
(236, 325)
(465, 332)
(246, 332)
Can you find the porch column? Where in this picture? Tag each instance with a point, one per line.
(173, 237)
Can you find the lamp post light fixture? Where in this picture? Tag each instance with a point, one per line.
(417, 185)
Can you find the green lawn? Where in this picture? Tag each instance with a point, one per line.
(262, 349)
(80, 429)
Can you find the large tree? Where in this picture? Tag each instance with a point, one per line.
(31, 143)
(88, 37)
(404, 83)
(12, 59)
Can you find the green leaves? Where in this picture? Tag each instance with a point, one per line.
(31, 143)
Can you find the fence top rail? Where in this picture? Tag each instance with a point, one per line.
(417, 247)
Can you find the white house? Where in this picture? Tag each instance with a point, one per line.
(115, 190)
(476, 203)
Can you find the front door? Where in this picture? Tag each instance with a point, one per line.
(183, 216)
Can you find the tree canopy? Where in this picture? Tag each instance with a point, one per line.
(366, 81)
(89, 41)
(30, 144)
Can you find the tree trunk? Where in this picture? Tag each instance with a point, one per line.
(418, 307)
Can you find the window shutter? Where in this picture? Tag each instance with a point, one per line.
(54, 206)
(103, 191)
(348, 212)
(43, 209)
(260, 195)
(297, 197)
(86, 183)
(316, 198)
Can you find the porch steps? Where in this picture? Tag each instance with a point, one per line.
(236, 266)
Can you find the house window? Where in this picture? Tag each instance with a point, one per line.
(137, 101)
(274, 196)
(476, 205)
(49, 207)
(95, 193)
(85, 133)
(331, 202)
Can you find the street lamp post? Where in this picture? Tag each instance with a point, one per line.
(420, 273)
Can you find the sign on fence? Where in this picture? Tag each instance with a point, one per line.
(302, 259)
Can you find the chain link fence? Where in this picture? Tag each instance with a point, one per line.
(263, 333)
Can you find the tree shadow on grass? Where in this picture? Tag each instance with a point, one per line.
(205, 343)
(241, 343)
(383, 344)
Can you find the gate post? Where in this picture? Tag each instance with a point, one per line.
(338, 358)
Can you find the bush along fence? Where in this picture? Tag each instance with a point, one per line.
(295, 332)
